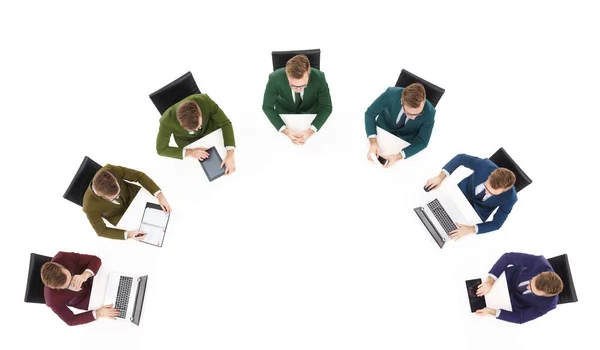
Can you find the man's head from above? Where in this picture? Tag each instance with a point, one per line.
(413, 100)
(106, 185)
(189, 115)
(55, 276)
(297, 70)
(546, 284)
(500, 181)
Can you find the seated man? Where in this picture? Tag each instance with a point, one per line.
(189, 120)
(108, 196)
(404, 112)
(68, 280)
(533, 287)
(297, 89)
(488, 188)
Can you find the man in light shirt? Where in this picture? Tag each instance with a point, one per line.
(109, 195)
(297, 89)
(533, 287)
(488, 188)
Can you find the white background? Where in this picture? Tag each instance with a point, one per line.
(312, 247)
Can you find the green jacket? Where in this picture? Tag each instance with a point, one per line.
(213, 118)
(387, 106)
(96, 207)
(278, 98)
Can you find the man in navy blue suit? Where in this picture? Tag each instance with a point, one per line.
(533, 287)
(488, 188)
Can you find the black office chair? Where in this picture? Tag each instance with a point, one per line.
(560, 264)
(34, 292)
(434, 93)
(502, 159)
(280, 58)
(81, 180)
(174, 92)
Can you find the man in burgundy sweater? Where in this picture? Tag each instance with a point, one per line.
(68, 279)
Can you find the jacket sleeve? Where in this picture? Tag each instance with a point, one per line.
(523, 315)
(325, 106)
(464, 160)
(219, 117)
(373, 111)
(85, 261)
(162, 143)
(421, 141)
(135, 176)
(268, 105)
(70, 318)
(499, 218)
(99, 226)
(515, 259)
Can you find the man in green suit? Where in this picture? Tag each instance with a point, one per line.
(297, 89)
(109, 195)
(189, 120)
(404, 112)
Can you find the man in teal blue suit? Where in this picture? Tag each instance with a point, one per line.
(404, 112)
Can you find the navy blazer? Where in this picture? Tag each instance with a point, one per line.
(482, 168)
(387, 106)
(526, 307)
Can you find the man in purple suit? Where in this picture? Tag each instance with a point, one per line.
(533, 287)
(68, 279)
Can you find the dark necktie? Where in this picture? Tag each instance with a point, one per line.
(480, 195)
(402, 120)
(298, 99)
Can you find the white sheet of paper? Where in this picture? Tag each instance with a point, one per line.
(155, 217)
(389, 143)
(154, 234)
(298, 122)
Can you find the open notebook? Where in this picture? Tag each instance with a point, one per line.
(154, 224)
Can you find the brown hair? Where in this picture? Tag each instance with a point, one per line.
(549, 282)
(188, 114)
(52, 275)
(502, 178)
(105, 183)
(413, 95)
(297, 66)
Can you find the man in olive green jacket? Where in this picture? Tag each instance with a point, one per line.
(109, 195)
(297, 89)
(189, 120)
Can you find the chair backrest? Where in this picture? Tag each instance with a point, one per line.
(503, 160)
(34, 292)
(560, 264)
(433, 92)
(81, 180)
(280, 58)
(174, 92)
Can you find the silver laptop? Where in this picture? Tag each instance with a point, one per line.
(126, 293)
(439, 217)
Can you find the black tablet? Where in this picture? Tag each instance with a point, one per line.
(476, 302)
(212, 164)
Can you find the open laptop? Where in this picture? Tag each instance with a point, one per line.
(126, 293)
(439, 217)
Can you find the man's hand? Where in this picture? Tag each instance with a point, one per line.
(198, 153)
(108, 312)
(78, 280)
(486, 311)
(392, 159)
(137, 235)
(434, 182)
(373, 148)
(485, 287)
(163, 203)
(463, 230)
(296, 138)
(229, 163)
(305, 135)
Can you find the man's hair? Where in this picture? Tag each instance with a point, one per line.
(413, 95)
(549, 282)
(297, 66)
(502, 178)
(52, 275)
(188, 114)
(105, 183)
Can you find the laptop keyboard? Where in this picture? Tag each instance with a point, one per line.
(442, 217)
(123, 295)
